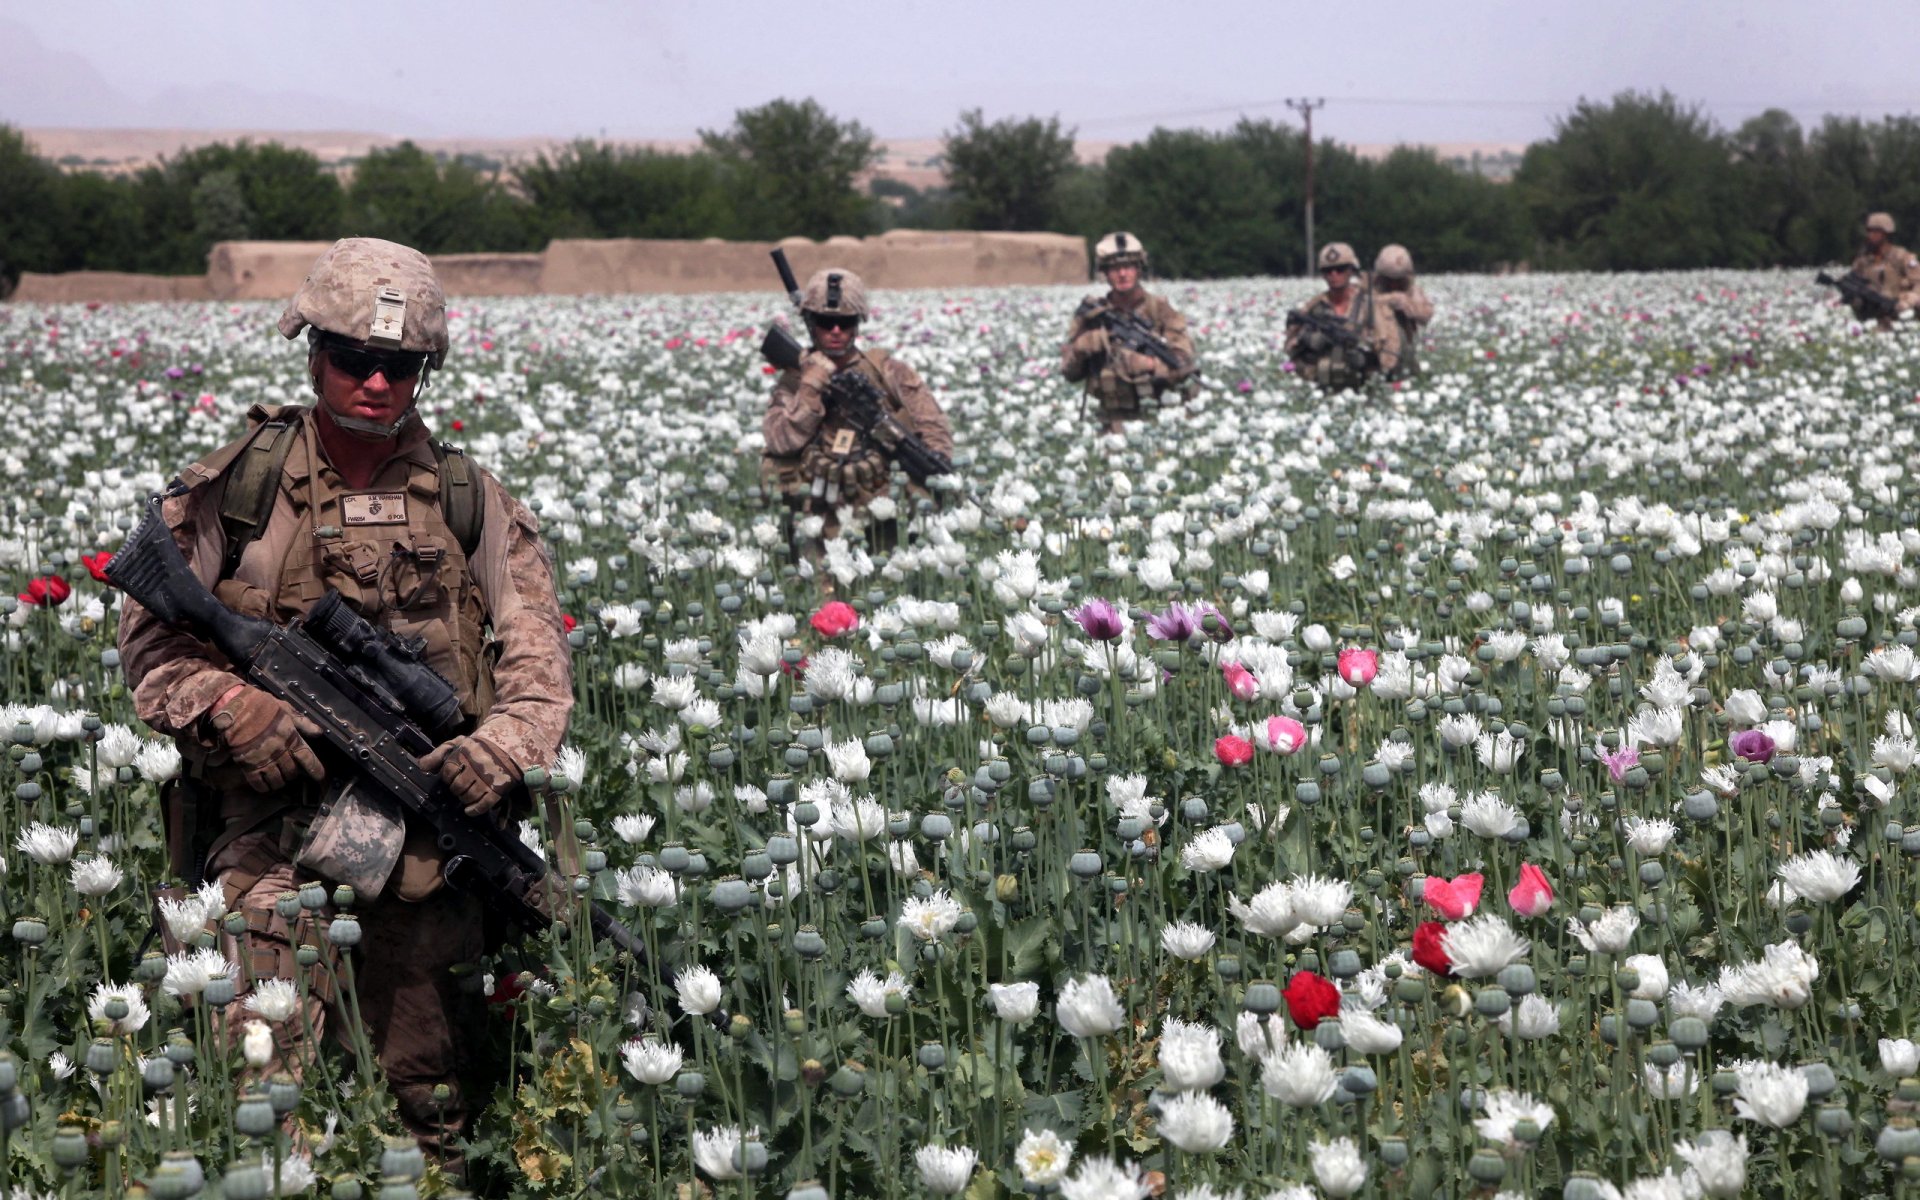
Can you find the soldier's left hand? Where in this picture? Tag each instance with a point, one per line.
(1140, 365)
(476, 771)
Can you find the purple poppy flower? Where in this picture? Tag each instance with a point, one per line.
(1100, 620)
(1621, 761)
(1179, 623)
(175, 373)
(1753, 745)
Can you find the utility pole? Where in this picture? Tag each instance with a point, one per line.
(1305, 108)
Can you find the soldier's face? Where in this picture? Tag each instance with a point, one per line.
(376, 398)
(1337, 278)
(1124, 277)
(834, 335)
(1876, 238)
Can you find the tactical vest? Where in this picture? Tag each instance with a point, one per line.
(840, 454)
(398, 558)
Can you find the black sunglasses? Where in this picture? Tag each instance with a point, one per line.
(362, 363)
(823, 321)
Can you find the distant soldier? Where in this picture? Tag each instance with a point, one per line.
(832, 475)
(1340, 338)
(1891, 270)
(1122, 369)
(1395, 289)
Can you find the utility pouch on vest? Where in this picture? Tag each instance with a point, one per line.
(354, 839)
(182, 801)
(415, 574)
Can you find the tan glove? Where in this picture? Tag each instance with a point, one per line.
(1397, 301)
(263, 734)
(1140, 366)
(816, 370)
(1091, 343)
(477, 771)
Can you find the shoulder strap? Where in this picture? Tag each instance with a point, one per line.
(253, 483)
(877, 359)
(459, 496)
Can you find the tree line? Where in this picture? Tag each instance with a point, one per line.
(1638, 182)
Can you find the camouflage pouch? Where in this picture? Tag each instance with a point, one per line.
(353, 839)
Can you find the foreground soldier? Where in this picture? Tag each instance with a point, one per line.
(351, 495)
(1340, 338)
(1889, 269)
(833, 477)
(1396, 290)
(1122, 380)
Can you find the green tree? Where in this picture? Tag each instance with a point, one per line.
(1641, 183)
(593, 189)
(1197, 201)
(285, 194)
(220, 212)
(29, 210)
(1451, 220)
(403, 194)
(903, 206)
(1008, 175)
(791, 168)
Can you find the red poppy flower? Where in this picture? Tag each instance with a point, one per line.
(1311, 999)
(97, 564)
(1430, 949)
(568, 621)
(834, 618)
(46, 589)
(1233, 751)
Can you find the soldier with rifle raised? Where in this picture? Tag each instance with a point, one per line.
(351, 632)
(1129, 348)
(1884, 282)
(1342, 337)
(841, 417)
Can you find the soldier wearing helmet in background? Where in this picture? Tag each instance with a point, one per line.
(352, 495)
(1341, 337)
(1889, 269)
(1396, 290)
(1123, 381)
(835, 479)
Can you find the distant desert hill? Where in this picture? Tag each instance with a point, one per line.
(915, 162)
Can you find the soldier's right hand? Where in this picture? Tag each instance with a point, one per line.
(263, 734)
(817, 370)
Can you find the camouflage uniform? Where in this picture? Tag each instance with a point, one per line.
(1122, 383)
(821, 465)
(1379, 333)
(491, 624)
(1893, 271)
(1395, 289)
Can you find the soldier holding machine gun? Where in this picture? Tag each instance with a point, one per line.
(1884, 283)
(1342, 337)
(398, 776)
(841, 417)
(1130, 347)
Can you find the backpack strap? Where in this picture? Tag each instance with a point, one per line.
(253, 482)
(459, 496)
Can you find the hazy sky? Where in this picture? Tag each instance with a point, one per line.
(1390, 70)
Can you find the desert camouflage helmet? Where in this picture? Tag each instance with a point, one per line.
(380, 293)
(1119, 250)
(836, 292)
(1338, 254)
(1393, 262)
(1881, 221)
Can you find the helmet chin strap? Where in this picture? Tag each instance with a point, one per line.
(373, 431)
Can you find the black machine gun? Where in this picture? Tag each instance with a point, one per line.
(856, 398)
(1861, 295)
(1130, 331)
(379, 706)
(1336, 331)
